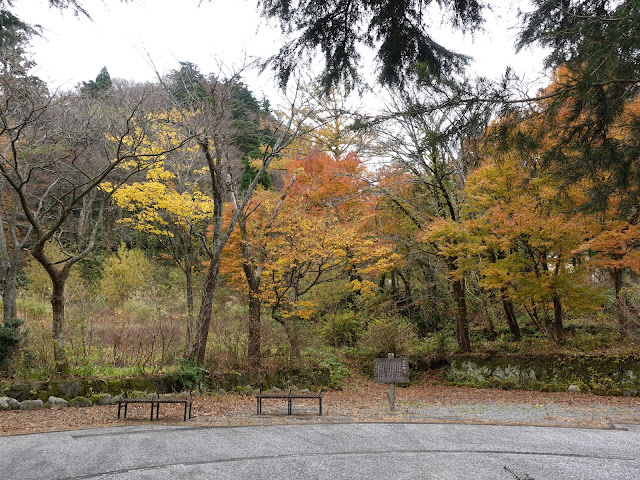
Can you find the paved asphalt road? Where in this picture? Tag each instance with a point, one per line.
(325, 451)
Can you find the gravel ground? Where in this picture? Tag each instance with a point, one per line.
(531, 414)
(360, 401)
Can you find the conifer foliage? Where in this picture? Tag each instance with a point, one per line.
(339, 28)
(595, 48)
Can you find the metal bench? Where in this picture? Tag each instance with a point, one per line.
(155, 402)
(288, 396)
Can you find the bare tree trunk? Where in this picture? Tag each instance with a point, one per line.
(189, 292)
(9, 290)
(206, 309)
(510, 313)
(558, 328)
(5, 271)
(293, 334)
(621, 312)
(84, 215)
(59, 341)
(290, 325)
(58, 281)
(214, 161)
(253, 275)
(535, 318)
(186, 246)
(462, 322)
(9, 265)
(382, 282)
(507, 305)
(254, 347)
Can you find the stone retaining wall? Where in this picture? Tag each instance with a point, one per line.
(69, 389)
(246, 382)
(593, 374)
(238, 382)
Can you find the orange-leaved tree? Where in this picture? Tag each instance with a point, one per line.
(592, 155)
(615, 248)
(528, 229)
(312, 232)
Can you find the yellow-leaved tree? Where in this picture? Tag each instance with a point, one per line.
(170, 204)
(522, 234)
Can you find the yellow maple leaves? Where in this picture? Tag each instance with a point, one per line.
(164, 200)
(156, 206)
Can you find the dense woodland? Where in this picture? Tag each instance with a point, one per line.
(185, 220)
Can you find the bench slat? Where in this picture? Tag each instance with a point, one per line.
(276, 395)
(155, 402)
(288, 396)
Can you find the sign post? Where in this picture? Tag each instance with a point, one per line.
(392, 370)
(391, 394)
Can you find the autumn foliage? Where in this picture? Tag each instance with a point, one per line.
(420, 247)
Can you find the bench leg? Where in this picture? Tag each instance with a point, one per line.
(320, 401)
(289, 409)
(119, 405)
(190, 404)
(185, 412)
(152, 411)
(157, 410)
(125, 409)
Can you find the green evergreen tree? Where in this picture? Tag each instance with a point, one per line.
(187, 84)
(249, 135)
(97, 87)
(11, 24)
(14, 37)
(339, 28)
(103, 80)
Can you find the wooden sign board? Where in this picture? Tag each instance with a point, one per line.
(392, 370)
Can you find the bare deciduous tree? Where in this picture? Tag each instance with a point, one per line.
(207, 106)
(58, 151)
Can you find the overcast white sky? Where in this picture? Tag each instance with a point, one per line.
(123, 37)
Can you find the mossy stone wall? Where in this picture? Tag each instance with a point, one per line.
(247, 381)
(601, 375)
(73, 388)
(230, 382)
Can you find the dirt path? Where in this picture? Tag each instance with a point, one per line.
(360, 401)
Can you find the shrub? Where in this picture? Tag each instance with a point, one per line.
(388, 334)
(9, 338)
(342, 328)
(188, 375)
(125, 273)
(588, 342)
(327, 359)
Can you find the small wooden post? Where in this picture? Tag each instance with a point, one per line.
(391, 394)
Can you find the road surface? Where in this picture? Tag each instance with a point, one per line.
(326, 451)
